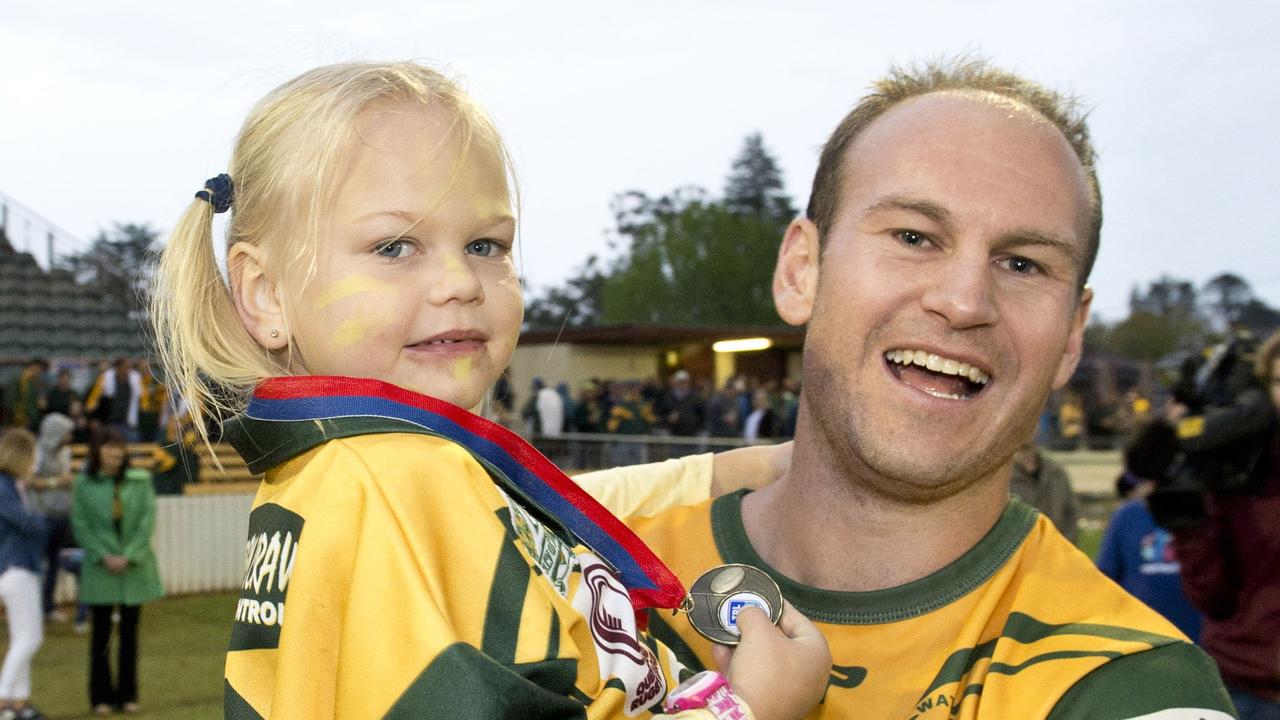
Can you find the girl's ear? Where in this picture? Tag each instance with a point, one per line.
(256, 296)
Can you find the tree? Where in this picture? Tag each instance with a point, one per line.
(1163, 319)
(120, 262)
(1226, 296)
(754, 187)
(684, 257)
(690, 261)
(577, 303)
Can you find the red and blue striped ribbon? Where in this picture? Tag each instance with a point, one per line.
(650, 582)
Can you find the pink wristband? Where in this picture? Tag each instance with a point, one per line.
(708, 690)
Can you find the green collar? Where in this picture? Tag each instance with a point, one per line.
(913, 599)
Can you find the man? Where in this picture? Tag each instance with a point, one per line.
(941, 272)
(1042, 483)
(683, 410)
(28, 396)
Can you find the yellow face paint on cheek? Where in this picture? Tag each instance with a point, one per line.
(345, 288)
(462, 371)
(349, 332)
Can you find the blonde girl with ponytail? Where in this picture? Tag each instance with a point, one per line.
(405, 557)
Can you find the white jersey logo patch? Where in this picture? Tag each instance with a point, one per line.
(602, 599)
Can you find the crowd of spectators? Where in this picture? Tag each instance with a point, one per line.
(684, 406)
(95, 520)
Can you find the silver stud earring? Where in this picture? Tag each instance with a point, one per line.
(275, 333)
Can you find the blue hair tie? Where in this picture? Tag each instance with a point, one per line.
(218, 192)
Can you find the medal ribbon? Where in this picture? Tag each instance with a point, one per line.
(649, 581)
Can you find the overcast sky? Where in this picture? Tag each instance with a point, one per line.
(118, 111)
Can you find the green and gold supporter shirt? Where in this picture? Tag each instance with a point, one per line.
(1019, 628)
(392, 573)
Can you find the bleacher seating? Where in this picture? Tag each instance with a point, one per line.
(48, 314)
(233, 477)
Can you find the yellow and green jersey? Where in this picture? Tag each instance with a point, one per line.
(1020, 627)
(391, 571)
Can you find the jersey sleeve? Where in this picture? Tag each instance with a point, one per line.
(1171, 682)
(642, 490)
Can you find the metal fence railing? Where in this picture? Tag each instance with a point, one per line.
(581, 452)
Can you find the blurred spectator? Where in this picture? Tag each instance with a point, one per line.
(151, 400)
(114, 399)
(1043, 484)
(503, 406)
(175, 462)
(22, 537)
(1071, 421)
(27, 397)
(1137, 553)
(550, 408)
(1231, 568)
(50, 495)
(763, 422)
(61, 395)
(568, 407)
(683, 410)
(790, 406)
(529, 411)
(630, 415)
(113, 514)
(723, 419)
(588, 411)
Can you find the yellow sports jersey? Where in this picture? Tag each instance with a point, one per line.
(1021, 627)
(392, 572)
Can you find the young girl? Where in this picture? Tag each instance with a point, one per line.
(407, 558)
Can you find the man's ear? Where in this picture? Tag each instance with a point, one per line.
(795, 277)
(1075, 341)
(256, 296)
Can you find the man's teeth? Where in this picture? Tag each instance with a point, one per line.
(937, 363)
(443, 342)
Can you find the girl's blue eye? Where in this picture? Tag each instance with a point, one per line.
(394, 249)
(483, 248)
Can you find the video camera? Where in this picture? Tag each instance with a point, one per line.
(1220, 445)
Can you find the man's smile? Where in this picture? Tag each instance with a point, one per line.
(937, 375)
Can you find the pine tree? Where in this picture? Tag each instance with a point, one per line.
(754, 187)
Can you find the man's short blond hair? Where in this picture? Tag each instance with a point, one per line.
(903, 83)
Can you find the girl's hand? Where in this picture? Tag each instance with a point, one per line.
(780, 672)
(115, 563)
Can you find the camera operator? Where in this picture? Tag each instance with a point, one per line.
(1223, 504)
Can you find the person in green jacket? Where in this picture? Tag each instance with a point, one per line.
(113, 514)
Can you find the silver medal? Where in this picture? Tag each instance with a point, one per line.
(720, 593)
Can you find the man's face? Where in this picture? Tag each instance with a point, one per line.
(946, 305)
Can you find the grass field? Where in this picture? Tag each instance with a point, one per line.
(183, 642)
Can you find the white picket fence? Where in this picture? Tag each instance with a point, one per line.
(199, 541)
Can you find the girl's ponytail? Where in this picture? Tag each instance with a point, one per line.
(207, 356)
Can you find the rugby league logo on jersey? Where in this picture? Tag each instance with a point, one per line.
(269, 556)
(602, 599)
